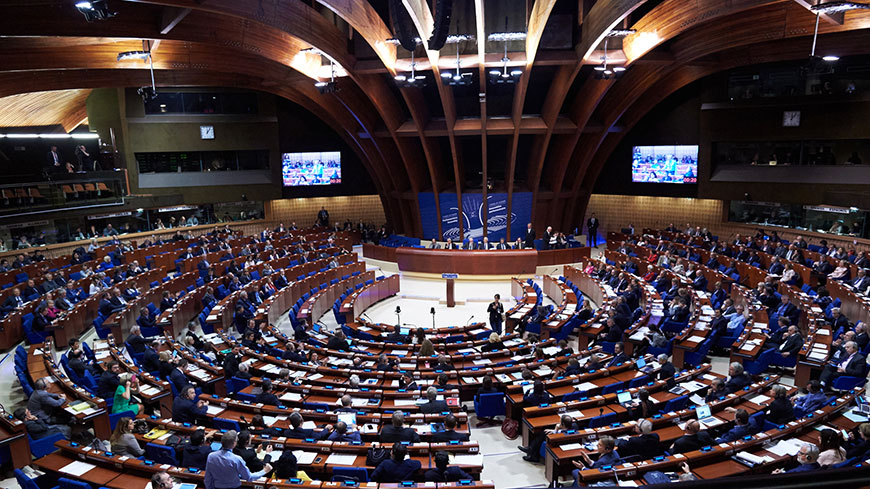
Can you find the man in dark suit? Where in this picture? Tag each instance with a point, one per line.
(776, 267)
(396, 432)
(741, 428)
(852, 364)
(186, 408)
(195, 454)
(718, 326)
(592, 230)
(444, 472)
(791, 344)
(135, 339)
(787, 309)
(177, 377)
(861, 281)
(267, 396)
(31, 290)
(645, 444)
(738, 379)
(298, 432)
(338, 342)
(396, 336)
(109, 381)
(838, 320)
(398, 467)
(40, 320)
(151, 360)
(14, 301)
(529, 238)
(545, 240)
(434, 405)
(449, 433)
(667, 370)
(52, 161)
(692, 440)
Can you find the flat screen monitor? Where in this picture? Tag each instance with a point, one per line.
(664, 164)
(314, 168)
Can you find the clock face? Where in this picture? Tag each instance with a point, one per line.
(206, 132)
(791, 118)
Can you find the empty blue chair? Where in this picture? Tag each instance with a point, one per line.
(356, 474)
(638, 381)
(27, 483)
(489, 405)
(65, 483)
(603, 420)
(676, 404)
(114, 418)
(226, 424)
(44, 446)
(236, 384)
(161, 454)
(612, 388)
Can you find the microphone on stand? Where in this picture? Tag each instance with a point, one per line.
(469, 320)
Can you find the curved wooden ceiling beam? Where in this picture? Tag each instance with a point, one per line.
(537, 21)
(673, 17)
(360, 15)
(603, 17)
(421, 16)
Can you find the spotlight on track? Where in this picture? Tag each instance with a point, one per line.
(95, 10)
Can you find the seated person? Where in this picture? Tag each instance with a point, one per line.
(124, 441)
(831, 451)
(267, 397)
(807, 458)
(244, 372)
(717, 390)
(607, 455)
(398, 467)
(858, 444)
(537, 395)
(341, 432)
(396, 431)
(443, 363)
(433, 405)
(692, 440)
(407, 382)
(38, 428)
(186, 408)
(396, 336)
(741, 428)
(780, 410)
(667, 371)
(442, 471)
(194, 454)
(644, 408)
(244, 450)
(738, 379)
(533, 451)
(345, 404)
(493, 344)
(296, 430)
(486, 387)
(813, 399)
(646, 444)
(852, 364)
(449, 433)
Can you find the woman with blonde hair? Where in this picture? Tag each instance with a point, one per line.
(124, 441)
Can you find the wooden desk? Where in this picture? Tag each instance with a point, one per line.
(467, 262)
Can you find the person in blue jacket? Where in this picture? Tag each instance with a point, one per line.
(398, 467)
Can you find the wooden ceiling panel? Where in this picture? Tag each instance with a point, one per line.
(58, 107)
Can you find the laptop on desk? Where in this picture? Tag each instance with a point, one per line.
(705, 416)
(624, 399)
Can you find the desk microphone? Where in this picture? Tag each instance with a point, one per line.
(554, 270)
(600, 411)
(469, 320)
(366, 316)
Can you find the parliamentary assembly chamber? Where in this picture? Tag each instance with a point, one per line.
(386, 244)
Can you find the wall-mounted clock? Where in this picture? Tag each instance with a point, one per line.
(206, 132)
(791, 118)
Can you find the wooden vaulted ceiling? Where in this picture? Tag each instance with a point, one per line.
(64, 108)
(412, 140)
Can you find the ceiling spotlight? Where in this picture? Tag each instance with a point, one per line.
(602, 71)
(837, 7)
(621, 32)
(394, 40)
(459, 78)
(502, 76)
(133, 55)
(413, 79)
(95, 10)
(830, 58)
(328, 87)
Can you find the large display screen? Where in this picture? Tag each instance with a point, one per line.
(317, 168)
(664, 164)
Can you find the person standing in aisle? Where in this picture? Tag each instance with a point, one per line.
(496, 312)
(592, 228)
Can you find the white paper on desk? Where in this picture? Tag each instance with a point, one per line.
(482, 361)
(340, 459)
(276, 454)
(405, 402)
(585, 386)
(818, 355)
(696, 339)
(751, 458)
(315, 376)
(623, 483)
(164, 436)
(364, 328)
(472, 380)
(504, 378)
(407, 366)
(517, 375)
(468, 459)
(90, 410)
(551, 350)
(303, 457)
(309, 425)
(149, 391)
(291, 396)
(270, 420)
(711, 422)
(357, 402)
(214, 410)
(823, 332)
(759, 399)
(512, 342)
(709, 377)
(747, 346)
(693, 385)
(518, 358)
(697, 400)
(574, 414)
(467, 350)
(543, 371)
(76, 468)
(786, 447)
(572, 446)
(637, 336)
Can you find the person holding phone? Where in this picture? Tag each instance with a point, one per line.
(124, 395)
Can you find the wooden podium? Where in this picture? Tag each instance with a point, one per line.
(451, 296)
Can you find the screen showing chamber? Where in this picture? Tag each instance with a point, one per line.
(664, 164)
(314, 168)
